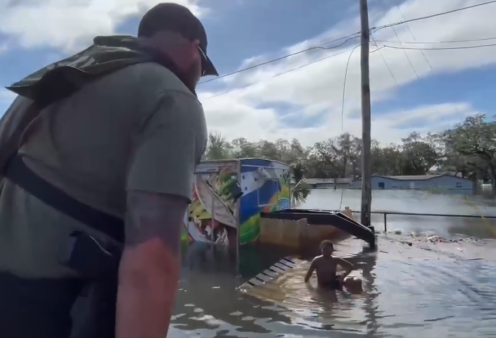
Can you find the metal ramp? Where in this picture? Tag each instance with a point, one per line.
(327, 218)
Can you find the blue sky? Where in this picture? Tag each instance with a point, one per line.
(427, 91)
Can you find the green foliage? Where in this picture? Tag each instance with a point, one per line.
(300, 193)
(470, 148)
(467, 149)
(301, 190)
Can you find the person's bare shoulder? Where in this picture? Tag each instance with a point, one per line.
(317, 260)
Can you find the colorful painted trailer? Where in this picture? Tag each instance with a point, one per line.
(228, 197)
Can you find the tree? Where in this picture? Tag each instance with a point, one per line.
(475, 139)
(419, 155)
(468, 149)
(217, 147)
(301, 190)
(241, 148)
(268, 150)
(325, 158)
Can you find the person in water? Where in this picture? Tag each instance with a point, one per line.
(326, 266)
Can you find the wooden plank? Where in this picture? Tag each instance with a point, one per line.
(256, 282)
(276, 269)
(287, 263)
(264, 277)
(282, 266)
(270, 273)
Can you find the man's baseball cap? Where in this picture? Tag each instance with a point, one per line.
(178, 19)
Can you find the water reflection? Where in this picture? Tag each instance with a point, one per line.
(208, 303)
(408, 292)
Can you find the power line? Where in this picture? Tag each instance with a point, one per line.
(385, 62)
(327, 57)
(435, 15)
(342, 107)
(440, 48)
(438, 42)
(279, 74)
(344, 90)
(404, 51)
(413, 36)
(348, 38)
(283, 73)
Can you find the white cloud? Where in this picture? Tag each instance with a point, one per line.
(237, 119)
(313, 91)
(69, 24)
(7, 95)
(318, 88)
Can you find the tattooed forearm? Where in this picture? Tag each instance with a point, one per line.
(153, 216)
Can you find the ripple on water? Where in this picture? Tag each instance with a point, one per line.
(404, 294)
(408, 292)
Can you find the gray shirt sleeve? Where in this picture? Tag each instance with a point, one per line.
(168, 146)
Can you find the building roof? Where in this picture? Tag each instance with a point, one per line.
(345, 180)
(327, 180)
(418, 177)
(412, 177)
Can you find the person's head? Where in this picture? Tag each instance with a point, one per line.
(353, 285)
(177, 31)
(327, 247)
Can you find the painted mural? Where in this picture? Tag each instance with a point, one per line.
(265, 186)
(213, 213)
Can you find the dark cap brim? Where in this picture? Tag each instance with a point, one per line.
(210, 68)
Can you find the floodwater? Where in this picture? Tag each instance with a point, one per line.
(412, 288)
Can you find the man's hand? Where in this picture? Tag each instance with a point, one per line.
(150, 264)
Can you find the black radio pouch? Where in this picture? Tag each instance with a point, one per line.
(97, 264)
(89, 257)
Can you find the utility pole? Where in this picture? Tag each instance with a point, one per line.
(366, 107)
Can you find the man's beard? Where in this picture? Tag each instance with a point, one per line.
(188, 77)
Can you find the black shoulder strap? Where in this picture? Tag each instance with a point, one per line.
(20, 174)
(13, 168)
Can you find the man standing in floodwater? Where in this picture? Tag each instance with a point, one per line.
(326, 267)
(123, 145)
